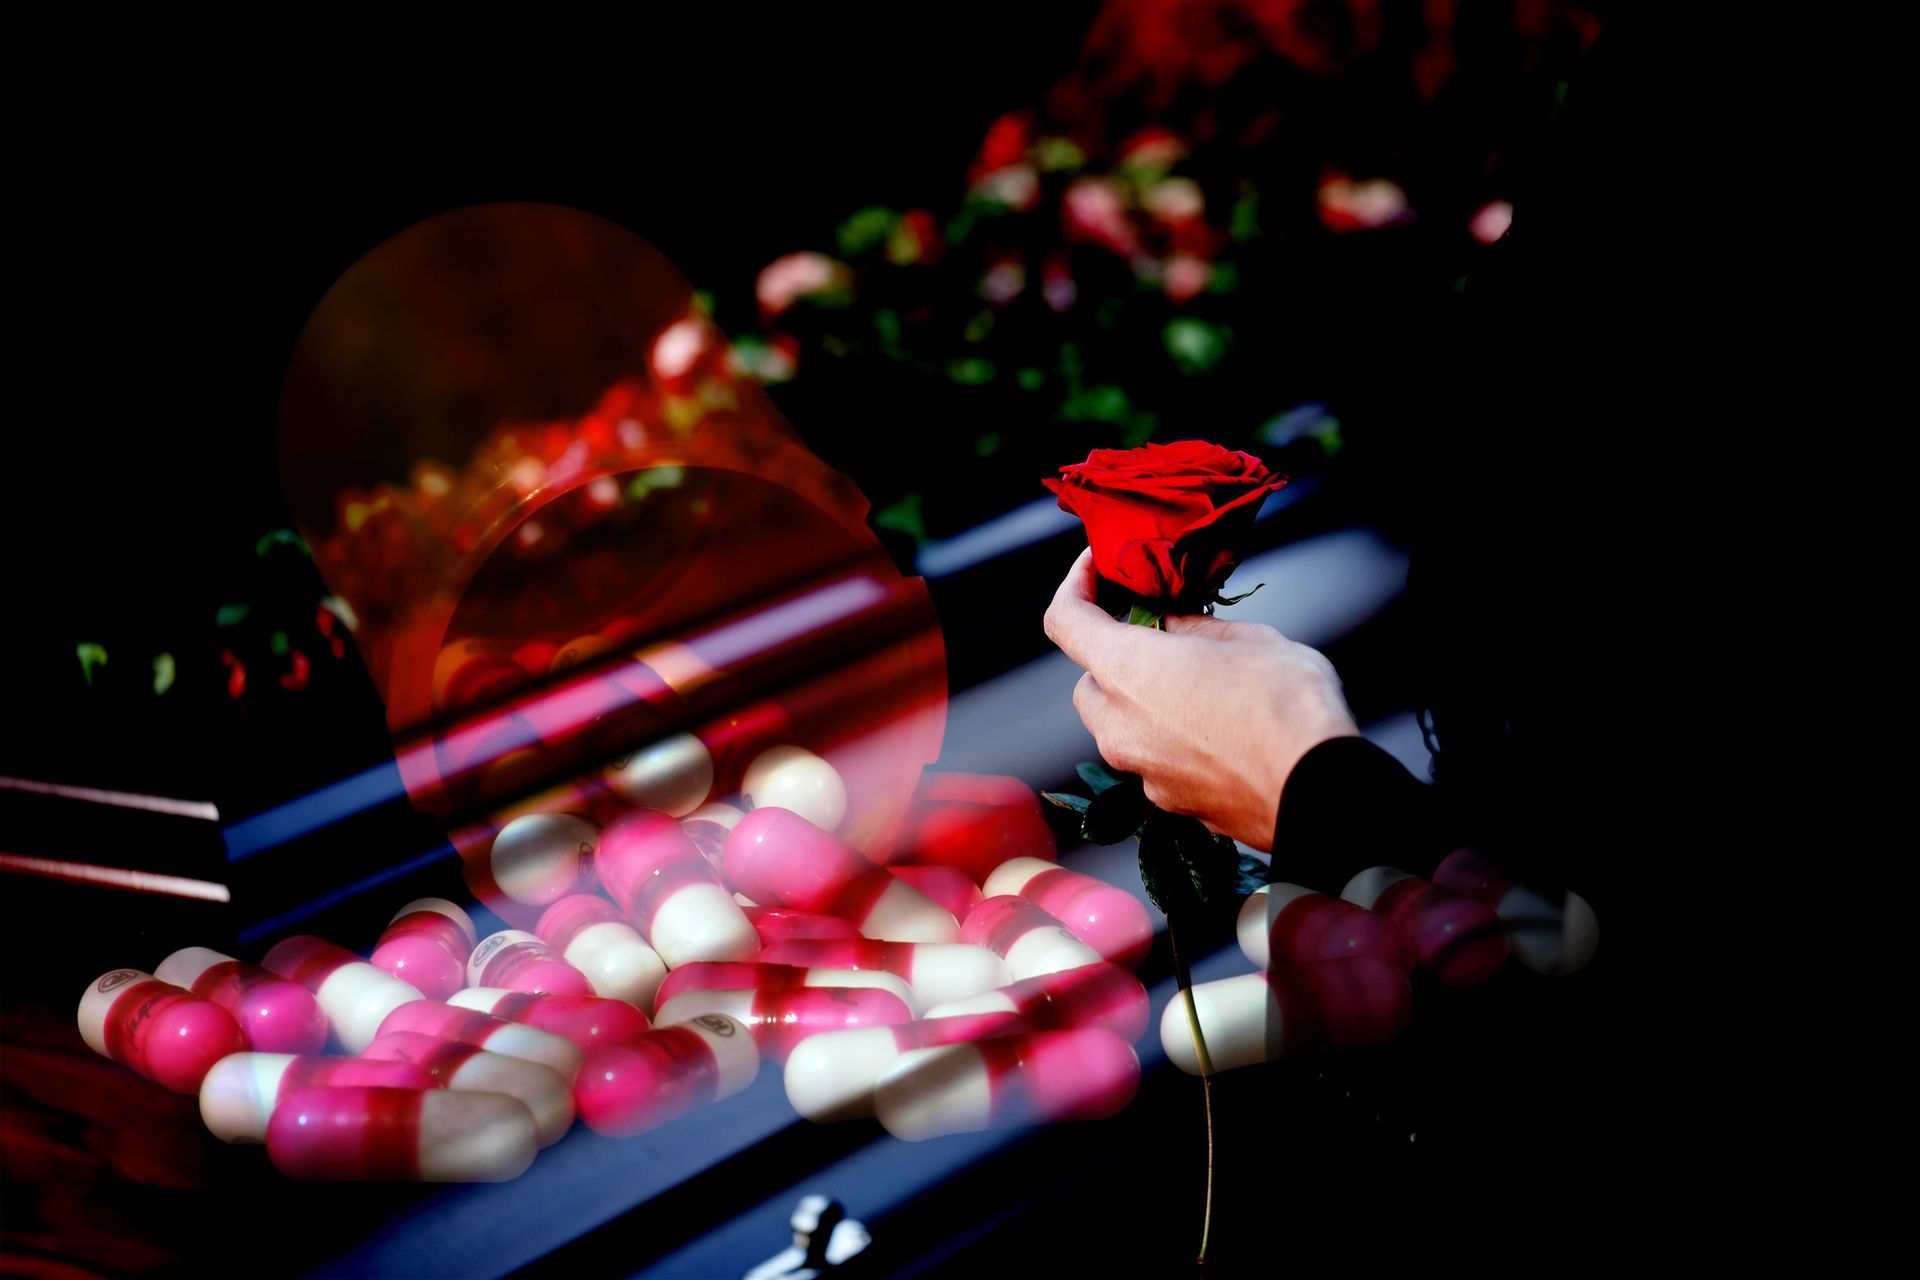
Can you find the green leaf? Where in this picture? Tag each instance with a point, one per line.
(1095, 775)
(1211, 863)
(162, 674)
(1030, 379)
(972, 372)
(1059, 155)
(1160, 867)
(279, 643)
(1141, 616)
(987, 444)
(1195, 345)
(1220, 599)
(282, 538)
(92, 656)
(1115, 813)
(1066, 800)
(230, 614)
(867, 229)
(904, 516)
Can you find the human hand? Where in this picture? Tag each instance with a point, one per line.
(1211, 714)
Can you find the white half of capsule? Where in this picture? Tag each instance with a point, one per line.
(673, 775)
(934, 1091)
(492, 946)
(475, 1137)
(701, 921)
(1254, 925)
(237, 1097)
(539, 858)
(1014, 874)
(736, 1056)
(539, 1088)
(1050, 949)
(831, 1076)
(904, 914)
(1549, 940)
(184, 967)
(617, 962)
(440, 906)
(357, 998)
(530, 1044)
(1366, 886)
(1233, 1013)
(795, 779)
(943, 971)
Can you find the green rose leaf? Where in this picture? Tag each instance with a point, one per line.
(1095, 775)
(1066, 800)
(1115, 813)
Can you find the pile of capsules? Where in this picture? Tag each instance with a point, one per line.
(942, 996)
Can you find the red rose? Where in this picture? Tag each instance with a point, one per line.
(1165, 520)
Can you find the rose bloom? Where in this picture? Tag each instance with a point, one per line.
(1094, 209)
(1165, 521)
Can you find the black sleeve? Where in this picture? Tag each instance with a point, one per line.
(1347, 806)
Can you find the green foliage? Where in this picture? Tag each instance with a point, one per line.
(1115, 813)
(904, 516)
(92, 656)
(1195, 345)
(867, 229)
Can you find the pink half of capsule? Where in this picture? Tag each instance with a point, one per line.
(951, 887)
(353, 994)
(630, 1088)
(275, 1015)
(496, 1035)
(775, 925)
(587, 1021)
(1303, 1008)
(427, 945)
(163, 1032)
(1095, 995)
(1028, 1079)
(519, 961)
(1282, 924)
(936, 971)
(655, 874)
(781, 1019)
(592, 935)
(1030, 939)
(369, 1134)
(239, 1095)
(1104, 916)
(1457, 940)
(778, 858)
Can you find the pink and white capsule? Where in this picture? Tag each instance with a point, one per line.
(778, 858)
(630, 1088)
(465, 1066)
(275, 1016)
(936, 971)
(1302, 1008)
(484, 1031)
(589, 933)
(831, 1076)
(355, 996)
(654, 872)
(164, 1032)
(795, 779)
(1032, 941)
(1457, 940)
(1549, 940)
(519, 961)
(366, 1134)
(708, 827)
(1031, 1079)
(539, 858)
(587, 1021)
(427, 945)
(781, 1019)
(752, 975)
(239, 1095)
(1104, 916)
(1095, 995)
(1282, 924)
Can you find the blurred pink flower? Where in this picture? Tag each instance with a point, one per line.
(785, 281)
(1017, 186)
(1491, 221)
(1347, 205)
(1095, 210)
(1186, 277)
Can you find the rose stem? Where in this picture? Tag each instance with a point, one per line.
(1206, 1077)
